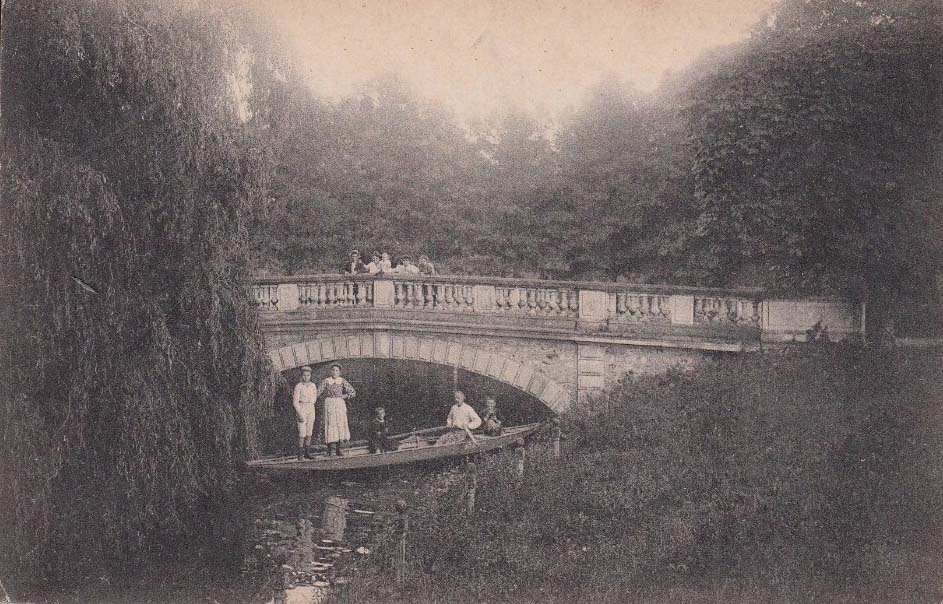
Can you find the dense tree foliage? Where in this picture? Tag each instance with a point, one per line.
(817, 158)
(135, 369)
(806, 158)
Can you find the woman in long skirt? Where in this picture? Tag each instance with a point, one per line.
(336, 392)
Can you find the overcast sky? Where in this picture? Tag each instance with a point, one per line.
(482, 55)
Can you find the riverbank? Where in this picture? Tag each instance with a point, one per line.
(810, 475)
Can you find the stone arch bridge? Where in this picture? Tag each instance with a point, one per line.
(558, 341)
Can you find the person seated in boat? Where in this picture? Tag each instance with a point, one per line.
(380, 441)
(490, 421)
(461, 419)
(303, 399)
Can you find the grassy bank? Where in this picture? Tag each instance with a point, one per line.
(808, 475)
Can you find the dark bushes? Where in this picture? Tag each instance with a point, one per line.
(806, 474)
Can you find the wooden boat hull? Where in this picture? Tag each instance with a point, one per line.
(414, 447)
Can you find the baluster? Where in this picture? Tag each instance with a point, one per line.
(439, 295)
(419, 296)
(574, 301)
(350, 293)
(468, 295)
(531, 302)
(733, 311)
(330, 295)
(558, 301)
(398, 294)
(656, 309)
(540, 299)
(632, 304)
(425, 295)
(621, 306)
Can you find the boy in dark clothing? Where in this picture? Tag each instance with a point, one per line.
(490, 422)
(380, 440)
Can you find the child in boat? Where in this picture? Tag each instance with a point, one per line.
(490, 421)
(380, 440)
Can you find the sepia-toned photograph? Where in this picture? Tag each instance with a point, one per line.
(471, 301)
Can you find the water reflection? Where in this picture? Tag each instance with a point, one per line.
(334, 518)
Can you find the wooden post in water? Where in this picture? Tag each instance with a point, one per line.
(519, 457)
(556, 437)
(471, 485)
(403, 526)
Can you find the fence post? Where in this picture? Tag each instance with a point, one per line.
(519, 461)
(471, 485)
(403, 526)
(556, 437)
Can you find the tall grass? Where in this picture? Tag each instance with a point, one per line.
(814, 474)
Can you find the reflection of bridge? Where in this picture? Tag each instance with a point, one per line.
(553, 339)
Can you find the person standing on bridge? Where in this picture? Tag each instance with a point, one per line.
(303, 399)
(425, 266)
(337, 391)
(375, 265)
(355, 265)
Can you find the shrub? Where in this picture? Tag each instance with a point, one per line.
(807, 474)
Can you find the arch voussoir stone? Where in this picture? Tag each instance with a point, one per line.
(517, 374)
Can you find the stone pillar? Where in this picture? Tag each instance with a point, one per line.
(594, 308)
(288, 296)
(682, 310)
(484, 298)
(591, 370)
(383, 296)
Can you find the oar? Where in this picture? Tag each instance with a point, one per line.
(471, 436)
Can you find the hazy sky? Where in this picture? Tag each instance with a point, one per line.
(481, 55)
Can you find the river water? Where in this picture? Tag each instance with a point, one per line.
(288, 538)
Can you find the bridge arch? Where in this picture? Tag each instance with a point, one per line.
(496, 365)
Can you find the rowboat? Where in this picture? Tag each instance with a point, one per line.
(416, 446)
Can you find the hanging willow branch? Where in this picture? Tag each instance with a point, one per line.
(135, 372)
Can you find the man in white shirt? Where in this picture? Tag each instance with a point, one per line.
(462, 416)
(406, 267)
(306, 393)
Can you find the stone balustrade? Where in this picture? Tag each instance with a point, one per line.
(586, 307)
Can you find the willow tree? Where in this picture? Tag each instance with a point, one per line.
(135, 370)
